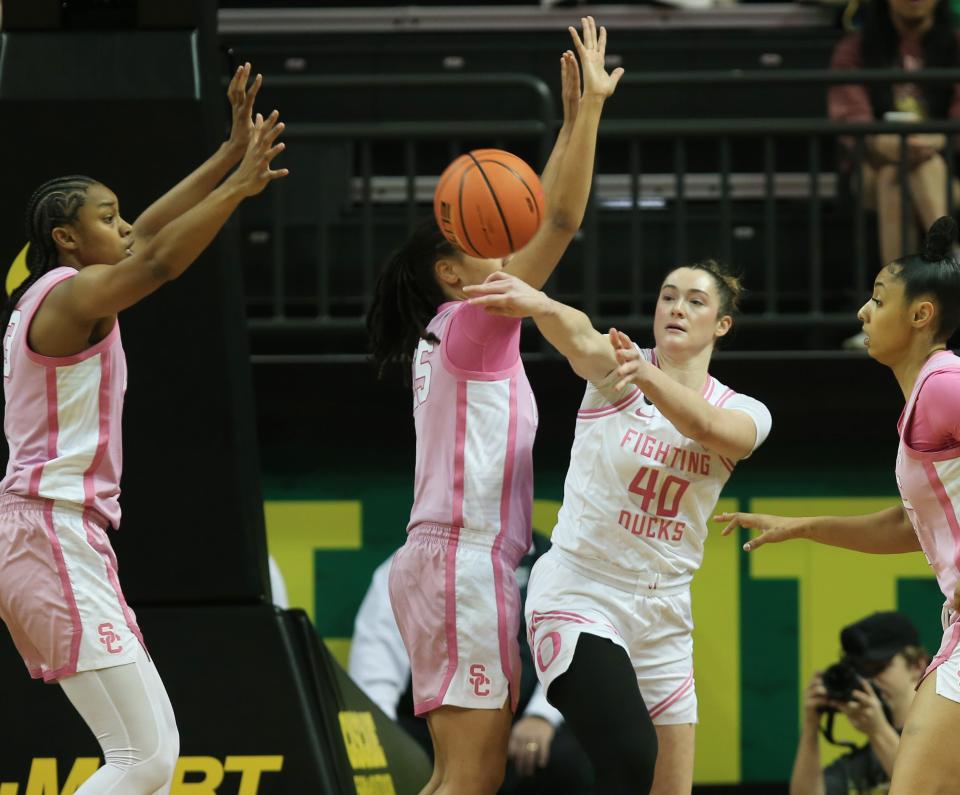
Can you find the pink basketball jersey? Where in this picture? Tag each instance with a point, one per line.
(475, 433)
(929, 484)
(63, 414)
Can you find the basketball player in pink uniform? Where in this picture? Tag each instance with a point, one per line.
(65, 374)
(452, 584)
(608, 607)
(913, 312)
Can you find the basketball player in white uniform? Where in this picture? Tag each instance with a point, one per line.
(608, 608)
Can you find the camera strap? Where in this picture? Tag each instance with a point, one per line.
(826, 729)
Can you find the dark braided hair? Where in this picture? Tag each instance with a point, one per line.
(53, 204)
(935, 273)
(406, 297)
(880, 49)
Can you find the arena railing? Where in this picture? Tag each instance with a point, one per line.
(627, 193)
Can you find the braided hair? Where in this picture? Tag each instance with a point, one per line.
(53, 204)
(406, 297)
(935, 272)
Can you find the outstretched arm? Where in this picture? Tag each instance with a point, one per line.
(729, 432)
(564, 213)
(198, 184)
(570, 96)
(99, 291)
(886, 532)
(569, 330)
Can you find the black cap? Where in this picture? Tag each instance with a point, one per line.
(878, 637)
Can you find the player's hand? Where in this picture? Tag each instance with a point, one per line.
(814, 698)
(569, 89)
(254, 172)
(504, 294)
(242, 96)
(773, 529)
(864, 710)
(591, 51)
(529, 745)
(631, 363)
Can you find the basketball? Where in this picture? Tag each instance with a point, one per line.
(488, 203)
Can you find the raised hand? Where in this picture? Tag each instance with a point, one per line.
(773, 529)
(241, 105)
(591, 51)
(503, 294)
(569, 88)
(254, 172)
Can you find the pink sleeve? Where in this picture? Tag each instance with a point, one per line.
(481, 342)
(935, 424)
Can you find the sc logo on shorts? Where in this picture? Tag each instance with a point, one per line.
(108, 637)
(479, 679)
(547, 650)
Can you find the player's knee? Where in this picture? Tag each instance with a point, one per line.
(157, 772)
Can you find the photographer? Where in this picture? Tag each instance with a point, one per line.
(882, 650)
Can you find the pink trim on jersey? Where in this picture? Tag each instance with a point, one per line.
(725, 397)
(606, 411)
(727, 463)
(103, 435)
(673, 698)
(708, 386)
(459, 452)
(111, 573)
(71, 667)
(52, 432)
(76, 358)
(450, 610)
(498, 574)
(948, 510)
(945, 651)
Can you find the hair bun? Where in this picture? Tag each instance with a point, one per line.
(940, 239)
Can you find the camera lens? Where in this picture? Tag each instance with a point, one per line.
(840, 680)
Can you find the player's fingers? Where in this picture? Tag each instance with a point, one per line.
(729, 528)
(578, 45)
(589, 33)
(616, 75)
(543, 755)
(253, 91)
(602, 42)
(277, 174)
(765, 537)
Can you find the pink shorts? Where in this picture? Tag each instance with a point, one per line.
(59, 592)
(455, 597)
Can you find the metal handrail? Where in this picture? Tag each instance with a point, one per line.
(544, 97)
(793, 76)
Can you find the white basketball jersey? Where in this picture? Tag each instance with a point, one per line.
(638, 493)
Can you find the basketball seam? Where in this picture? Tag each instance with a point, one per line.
(522, 182)
(463, 222)
(496, 201)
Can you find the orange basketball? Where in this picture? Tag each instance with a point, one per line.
(488, 203)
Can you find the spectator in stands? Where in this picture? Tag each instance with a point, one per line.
(911, 35)
(544, 756)
(885, 649)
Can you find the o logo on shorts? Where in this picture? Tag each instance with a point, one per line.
(550, 651)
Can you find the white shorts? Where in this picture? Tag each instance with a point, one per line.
(946, 663)
(59, 592)
(655, 631)
(455, 597)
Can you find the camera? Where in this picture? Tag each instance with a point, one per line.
(840, 680)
